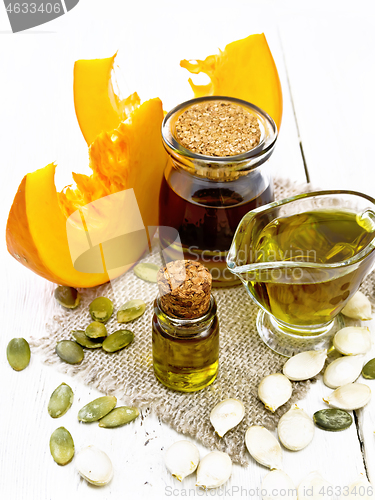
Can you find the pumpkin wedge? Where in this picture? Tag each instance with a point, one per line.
(98, 108)
(246, 70)
(130, 158)
(36, 232)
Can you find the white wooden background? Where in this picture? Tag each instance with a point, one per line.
(324, 51)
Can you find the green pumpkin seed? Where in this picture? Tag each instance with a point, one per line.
(333, 419)
(81, 338)
(131, 310)
(61, 445)
(97, 409)
(18, 354)
(119, 416)
(101, 309)
(118, 340)
(368, 371)
(69, 351)
(67, 297)
(96, 330)
(60, 401)
(147, 272)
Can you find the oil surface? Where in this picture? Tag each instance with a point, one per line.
(321, 236)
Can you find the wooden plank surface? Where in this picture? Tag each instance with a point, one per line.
(38, 125)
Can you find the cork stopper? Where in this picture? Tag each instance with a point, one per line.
(185, 289)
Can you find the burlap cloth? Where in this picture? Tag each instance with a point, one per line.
(128, 374)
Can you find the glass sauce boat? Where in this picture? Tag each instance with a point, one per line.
(301, 259)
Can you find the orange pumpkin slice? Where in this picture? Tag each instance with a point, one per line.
(98, 108)
(246, 70)
(41, 220)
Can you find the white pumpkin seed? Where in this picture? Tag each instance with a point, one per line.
(349, 397)
(264, 447)
(131, 310)
(295, 429)
(305, 365)
(277, 485)
(314, 487)
(61, 446)
(119, 416)
(226, 415)
(146, 271)
(60, 401)
(343, 371)
(360, 488)
(274, 391)
(181, 459)
(352, 340)
(94, 465)
(97, 409)
(18, 354)
(214, 470)
(358, 307)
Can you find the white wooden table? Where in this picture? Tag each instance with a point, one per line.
(324, 53)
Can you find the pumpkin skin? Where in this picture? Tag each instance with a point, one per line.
(36, 232)
(129, 157)
(244, 69)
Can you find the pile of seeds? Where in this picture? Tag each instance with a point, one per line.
(295, 428)
(95, 335)
(217, 128)
(92, 463)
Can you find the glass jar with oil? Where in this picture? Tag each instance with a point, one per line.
(301, 260)
(218, 171)
(185, 328)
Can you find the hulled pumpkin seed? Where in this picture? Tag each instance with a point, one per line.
(61, 446)
(146, 272)
(368, 371)
(69, 351)
(131, 310)
(67, 297)
(101, 309)
(119, 416)
(97, 409)
(94, 465)
(60, 401)
(18, 354)
(96, 330)
(333, 419)
(118, 340)
(82, 339)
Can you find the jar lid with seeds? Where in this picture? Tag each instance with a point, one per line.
(218, 137)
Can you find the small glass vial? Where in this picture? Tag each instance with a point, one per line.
(185, 328)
